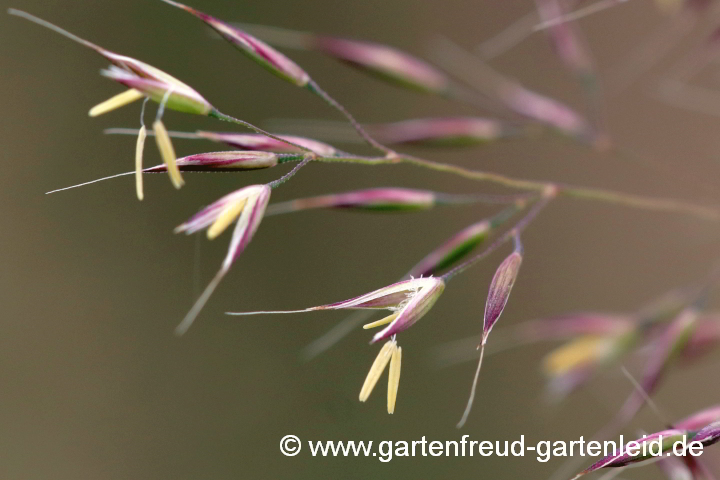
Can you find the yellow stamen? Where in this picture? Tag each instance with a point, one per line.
(226, 217)
(119, 100)
(142, 135)
(394, 378)
(168, 153)
(382, 321)
(377, 369)
(573, 354)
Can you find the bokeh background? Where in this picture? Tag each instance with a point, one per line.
(93, 384)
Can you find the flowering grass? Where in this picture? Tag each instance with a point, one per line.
(675, 329)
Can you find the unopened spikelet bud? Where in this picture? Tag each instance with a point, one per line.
(645, 452)
(700, 419)
(565, 39)
(500, 288)
(374, 199)
(548, 111)
(221, 162)
(377, 369)
(268, 57)
(381, 61)
(387, 63)
(705, 337)
(168, 153)
(453, 249)
(570, 325)
(708, 435)
(256, 141)
(463, 242)
(442, 132)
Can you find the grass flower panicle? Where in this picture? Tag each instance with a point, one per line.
(672, 329)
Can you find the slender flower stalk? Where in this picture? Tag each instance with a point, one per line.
(498, 295)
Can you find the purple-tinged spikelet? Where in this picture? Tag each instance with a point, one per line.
(570, 325)
(429, 290)
(565, 40)
(705, 337)
(624, 457)
(174, 95)
(700, 419)
(454, 248)
(255, 141)
(154, 79)
(709, 434)
(442, 132)
(221, 162)
(385, 62)
(498, 295)
(375, 199)
(246, 207)
(381, 61)
(500, 288)
(546, 110)
(265, 55)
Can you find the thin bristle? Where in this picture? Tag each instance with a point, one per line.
(199, 304)
(53, 27)
(90, 182)
(271, 312)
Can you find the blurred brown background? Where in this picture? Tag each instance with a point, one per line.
(93, 384)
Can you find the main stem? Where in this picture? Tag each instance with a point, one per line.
(587, 193)
(607, 196)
